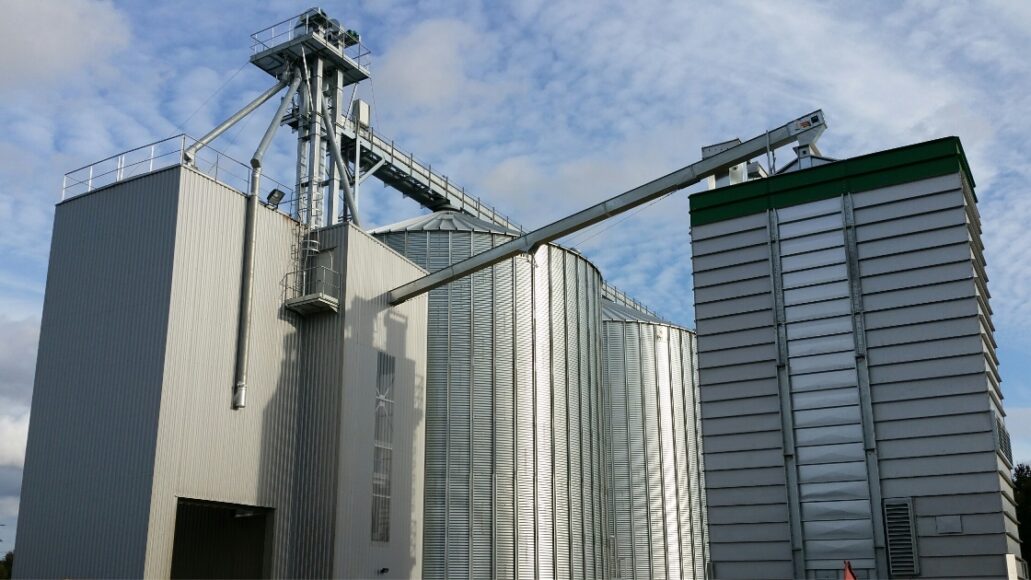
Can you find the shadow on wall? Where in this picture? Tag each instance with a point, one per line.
(277, 476)
(323, 413)
(373, 329)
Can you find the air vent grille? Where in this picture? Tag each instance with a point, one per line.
(1003, 437)
(901, 536)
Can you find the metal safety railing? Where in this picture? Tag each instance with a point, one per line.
(423, 173)
(313, 280)
(162, 155)
(349, 43)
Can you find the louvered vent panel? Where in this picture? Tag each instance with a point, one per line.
(901, 537)
(1003, 437)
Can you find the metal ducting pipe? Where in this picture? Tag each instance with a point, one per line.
(266, 140)
(334, 149)
(191, 151)
(243, 334)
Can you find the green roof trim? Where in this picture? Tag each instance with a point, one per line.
(873, 171)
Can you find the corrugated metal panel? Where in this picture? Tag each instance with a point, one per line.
(512, 395)
(372, 326)
(887, 340)
(256, 449)
(88, 472)
(655, 449)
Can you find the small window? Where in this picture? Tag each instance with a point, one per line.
(383, 447)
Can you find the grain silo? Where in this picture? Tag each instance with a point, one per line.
(658, 502)
(851, 399)
(515, 483)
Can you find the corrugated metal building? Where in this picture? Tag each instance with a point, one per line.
(136, 463)
(851, 407)
(658, 499)
(515, 433)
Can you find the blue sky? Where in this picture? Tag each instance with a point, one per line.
(541, 108)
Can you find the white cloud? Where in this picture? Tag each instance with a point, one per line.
(14, 432)
(42, 41)
(1018, 423)
(17, 361)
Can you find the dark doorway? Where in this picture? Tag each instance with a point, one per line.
(220, 540)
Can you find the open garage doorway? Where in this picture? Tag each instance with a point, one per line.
(220, 540)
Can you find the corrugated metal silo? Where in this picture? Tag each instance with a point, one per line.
(658, 501)
(515, 480)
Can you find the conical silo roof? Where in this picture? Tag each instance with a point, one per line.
(613, 311)
(445, 220)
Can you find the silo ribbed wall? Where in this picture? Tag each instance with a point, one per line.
(515, 468)
(658, 504)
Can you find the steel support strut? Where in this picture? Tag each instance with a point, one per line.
(191, 151)
(334, 151)
(809, 125)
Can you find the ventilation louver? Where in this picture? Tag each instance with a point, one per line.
(901, 537)
(1003, 440)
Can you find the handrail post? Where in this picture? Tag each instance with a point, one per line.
(151, 168)
(89, 182)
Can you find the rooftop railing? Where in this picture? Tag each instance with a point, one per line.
(348, 44)
(161, 155)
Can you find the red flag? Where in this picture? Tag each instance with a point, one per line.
(849, 574)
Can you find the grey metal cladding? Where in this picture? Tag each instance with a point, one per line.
(740, 390)
(951, 328)
(920, 258)
(922, 369)
(813, 310)
(745, 354)
(760, 476)
(759, 319)
(905, 191)
(200, 348)
(806, 211)
(817, 275)
(759, 269)
(910, 224)
(730, 226)
(904, 243)
(728, 534)
(108, 290)
(894, 299)
(515, 478)
(810, 226)
(809, 243)
(933, 426)
(815, 258)
(928, 312)
(924, 350)
(730, 258)
(737, 289)
(911, 206)
(918, 277)
(736, 240)
(731, 340)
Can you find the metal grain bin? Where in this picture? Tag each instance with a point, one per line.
(658, 501)
(515, 480)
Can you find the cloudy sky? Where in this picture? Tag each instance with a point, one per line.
(542, 108)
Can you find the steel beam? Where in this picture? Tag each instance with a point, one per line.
(222, 128)
(675, 181)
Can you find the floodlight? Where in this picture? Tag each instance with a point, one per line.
(274, 197)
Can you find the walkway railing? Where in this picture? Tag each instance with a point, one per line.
(161, 155)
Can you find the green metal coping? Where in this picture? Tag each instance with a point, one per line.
(873, 171)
